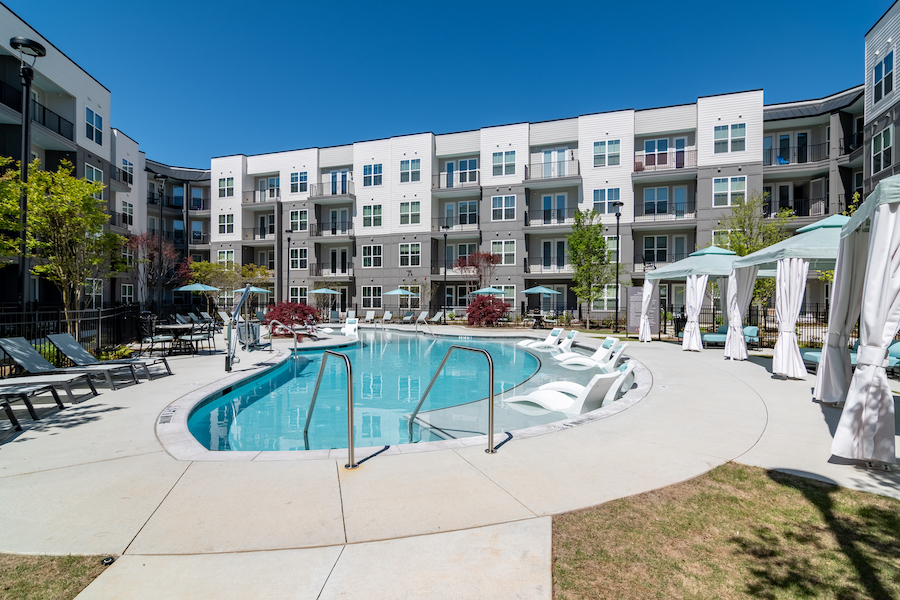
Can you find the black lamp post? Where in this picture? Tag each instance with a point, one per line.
(444, 299)
(618, 206)
(287, 280)
(26, 47)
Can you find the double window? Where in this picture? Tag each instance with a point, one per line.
(371, 256)
(409, 213)
(655, 248)
(371, 296)
(612, 249)
(504, 163)
(226, 223)
(410, 302)
(503, 208)
(410, 170)
(299, 220)
(607, 300)
(730, 138)
(299, 258)
(226, 187)
(298, 295)
(721, 238)
(656, 201)
(226, 257)
(128, 168)
(729, 191)
(372, 216)
(506, 249)
(127, 214)
(468, 170)
(606, 154)
(884, 76)
(128, 256)
(372, 175)
(93, 126)
(656, 152)
(410, 255)
(881, 150)
(127, 295)
(298, 182)
(92, 173)
(604, 199)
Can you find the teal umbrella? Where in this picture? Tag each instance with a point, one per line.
(540, 290)
(488, 290)
(253, 290)
(400, 292)
(197, 287)
(323, 291)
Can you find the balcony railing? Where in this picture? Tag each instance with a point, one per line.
(553, 170)
(341, 269)
(331, 188)
(12, 97)
(260, 196)
(653, 259)
(329, 228)
(122, 220)
(198, 237)
(120, 175)
(199, 204)
(665, 161)
(451, 266)
(815, 207)
(455, 180)
(466, 222)
(795, 155)
(548, 264)
(666, 211)
(851, 143)
(550, 216)
(176, 236)
(258, 233)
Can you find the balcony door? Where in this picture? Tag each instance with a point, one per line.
(449, 211)
(554, 162)
(680, 202)
(767, 150)
(784, 149)
(679, 247)
(339, 221)
(551, 302)
(680, 147)
(266, 225)
(450, 171)
(802, 147)
(339, 182)
(339, 261)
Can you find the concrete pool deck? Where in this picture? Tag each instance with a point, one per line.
(94, 479)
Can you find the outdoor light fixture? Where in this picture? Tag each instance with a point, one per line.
(26, 47)
(618, 204)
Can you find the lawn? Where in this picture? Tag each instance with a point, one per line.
(46, 577)
(735, 532)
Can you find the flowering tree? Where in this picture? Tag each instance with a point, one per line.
(293, 314)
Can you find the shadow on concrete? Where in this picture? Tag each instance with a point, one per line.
(51, 419)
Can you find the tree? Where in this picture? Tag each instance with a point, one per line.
(153, 267)
(589, 257)
(479, 267)
(225, 276)
(485, 310)
(10, 192)
(749, 228)
(66, 233)
(257, 276)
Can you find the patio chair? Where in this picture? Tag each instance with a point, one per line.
(552, 339)
(600, 355)
(370, 316)
(387, 316)
(150, 337)
(568, 397)
(437, 317)
(183, 319)
(24, 393)
(260, 315)
(350, 327)
(31, 361)
(335, 317)
(407, 318)
(566, 344)
(64, 381)
(75, 352)
(351, 314)
(607, 367)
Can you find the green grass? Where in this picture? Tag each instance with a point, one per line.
(46, 577)
(736, 532)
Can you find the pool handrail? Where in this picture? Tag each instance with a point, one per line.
(490, 449)
(294, 333)
(427, 326)
(312, 405)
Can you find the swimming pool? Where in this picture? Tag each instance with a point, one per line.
(390, 373)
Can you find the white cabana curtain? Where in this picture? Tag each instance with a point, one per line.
(790, 285)
(644, 334)
(866, 429)
(834, 372)
(722, 282)
(694, 291)
(740, 290)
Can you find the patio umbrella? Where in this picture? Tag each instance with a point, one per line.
(324, 291)
(488, 291)
(400, 292)
(254, 290)
(540, 290)
(197, 287)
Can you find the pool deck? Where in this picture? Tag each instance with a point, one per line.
(451, 523)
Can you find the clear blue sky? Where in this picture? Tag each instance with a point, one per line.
(195, 79)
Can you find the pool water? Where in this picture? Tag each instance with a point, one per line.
(391, 371)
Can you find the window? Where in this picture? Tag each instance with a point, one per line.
(226, 223)
(127, 214)
(884, 76)
(607, 300)
(93, 126)
(409, 213)
(736, 134)
(128, 256)
(612, 249)
(881, 150)
(299, 221)
(298, 182)
(93, 293)
(468, 170)
(372, 216)
(503, 208)
(721, 237)
(298, 295)
(603, 201)
(506, 249)
(410, 170)
(371, 256)
(127, 293)
(858, 183)
(299, 258)
(410, 302)
(655, 247)
(372, 175)
(226, 257)
(656, 152)
(94, 174)
(504, 163)
(509, 293)
(410, 255)
(468, 213)
(128, 168)
(226, 187)
(656, 201)
(606, 154)
(728, 192)
(371, 296)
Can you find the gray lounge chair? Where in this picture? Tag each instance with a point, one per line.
(24, 354)
(437, 316)
(407, 318)
(64, 381)
(24, 393)
(75, 352)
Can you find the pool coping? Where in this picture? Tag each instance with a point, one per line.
(175, 437)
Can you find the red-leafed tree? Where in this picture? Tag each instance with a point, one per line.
(293, 314)
(485, 310)
(479, 267)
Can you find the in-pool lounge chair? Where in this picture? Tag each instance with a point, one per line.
(552, 337)
(350, 328)
(63, 380)
(607, 367)
(566, 344)
(600, 355)
(31, 361)
(572, 398)
(75, 352)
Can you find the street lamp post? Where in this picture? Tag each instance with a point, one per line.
(26, 47)
(618, 204)
(444, 299)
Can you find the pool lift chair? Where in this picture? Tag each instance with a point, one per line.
(572, 398)
(552, 339)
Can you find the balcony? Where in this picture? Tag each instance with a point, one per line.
(667, 160)
(452, 268)
(456, 180)
(261, 196)
(121, 220)
(121, 176)
(548, 264)
(552, 170)
(343, 270)
(795, 155)
(666, 211)
(550, 216)
(466, 222)
(342, 190)
(816, 207)
(653, 259)
(851, 143)
(258, 233)
(332, 229)
(176, 237)
(198, 237)
(199, 204)
(12, 97)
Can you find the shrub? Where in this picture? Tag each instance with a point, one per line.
(291, 314)
(485, 310)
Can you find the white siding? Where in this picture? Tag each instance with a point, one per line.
(228, 166)
(503, 138)
(127, 148)
(336, 156)
(283, 164)
(743, 107)
(452, 144)
(410, 147)
(604, 127)
(877, 41)
(370, 153)
(553, 132)
(665, 120)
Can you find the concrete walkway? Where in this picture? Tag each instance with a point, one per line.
(450, 523)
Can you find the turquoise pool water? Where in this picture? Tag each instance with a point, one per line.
(391, 371)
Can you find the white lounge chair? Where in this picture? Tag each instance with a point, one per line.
(572, 398)
(566, 344)
(607, 367)
(407, 318)
(387, 316)
(350, 327)
(423, 315)
(437, 317)
(370, 316)
(600, 355)
(549, 343)
(551, 337)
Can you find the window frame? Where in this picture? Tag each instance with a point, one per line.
(507, 251)
(298, 258)
(126, 298)
(296, 222)
(372, 217)
(226, 260)
(506, 210)
(656, 201)
(127, 214)
(882, 84)
(880, 154)
(371, 299)
(412, 259)
(299, 183)
(226, 187)
(375, 259)
(372, 175)
(413, 171)
(607, 200)
(731, 194)
(294, 292)
(603, 150)
(226, 223)
(506, 165)
(94, 172)
(412, 217)
(93, 126)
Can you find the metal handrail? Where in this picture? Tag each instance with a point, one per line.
(312, 405)
(490, 449)
(425, 323)
(294, 333)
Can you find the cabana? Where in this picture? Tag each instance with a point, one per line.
(867, 287)
(695, 269)
(815, 245)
